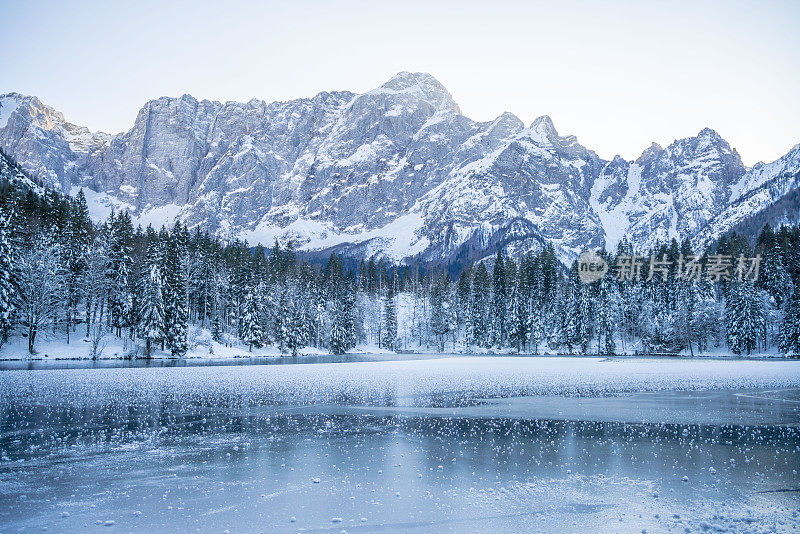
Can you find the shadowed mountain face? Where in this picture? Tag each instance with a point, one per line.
(397, 171)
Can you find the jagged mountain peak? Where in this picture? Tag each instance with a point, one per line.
(650, 152)
(49, 127)
(405, 80)
(19, 97)
(423, 86)
(708, 133)
(32, 107)
(544, 129)
(508, 116)
(6, 97)
(706, 139)
(506, 125)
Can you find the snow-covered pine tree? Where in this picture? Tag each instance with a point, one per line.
(343, 331)
(175, 292)
(517, 316)
(773, 276)
(296, 334)
(547, 286)
(658, 334)
(216, 329)
(222, 298)
(607, 306)
(251, 325)
(441, 319)
(586, 317)
(789, 243)
(578, 308)
(76, 248)
(309, 296)
(789, 341)
(94, 282)
(8, 291)
(774, 280)
(40, 275)
(150, 315)
(389, 329)
(744, 317)
(705, 317)
(499, 302)
(535, 328)
(533, 301)
(683, 300)
(264, 295)
(282, 320)
(568, 306)
(479, 308)
(120, 246)
(372, 276)
(462, 304)
(333, 278)
(336, 343)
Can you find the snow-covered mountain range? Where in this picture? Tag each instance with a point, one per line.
(396, 171)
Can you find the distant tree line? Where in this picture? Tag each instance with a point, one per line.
(170, 289)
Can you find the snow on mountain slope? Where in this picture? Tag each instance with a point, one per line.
(8, 105)
(668, 192)
(397, 169)
(43, 143)
(534, 174)
(614, 198)
(762, 173)
(756, 190)
(11, 172)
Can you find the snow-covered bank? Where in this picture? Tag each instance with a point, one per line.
(394, 383)
(201, 346)
(115, 348)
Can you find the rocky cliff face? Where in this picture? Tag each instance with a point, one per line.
(396, 171)
(667, 192)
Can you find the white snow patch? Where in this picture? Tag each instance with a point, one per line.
(398, 239)
(8, 105)
(101, 204)
(165, 215)
(614, 220)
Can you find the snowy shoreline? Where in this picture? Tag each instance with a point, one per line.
(312, 353)
(116, 350)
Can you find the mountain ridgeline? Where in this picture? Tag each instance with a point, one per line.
(396, 172)
(182, 292)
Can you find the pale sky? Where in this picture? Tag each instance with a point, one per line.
(618, 75)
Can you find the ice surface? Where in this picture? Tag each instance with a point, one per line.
(405, 383)
(157, 450)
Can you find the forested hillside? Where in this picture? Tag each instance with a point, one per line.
(169, 289)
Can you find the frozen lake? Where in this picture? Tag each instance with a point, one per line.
(450, 445)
